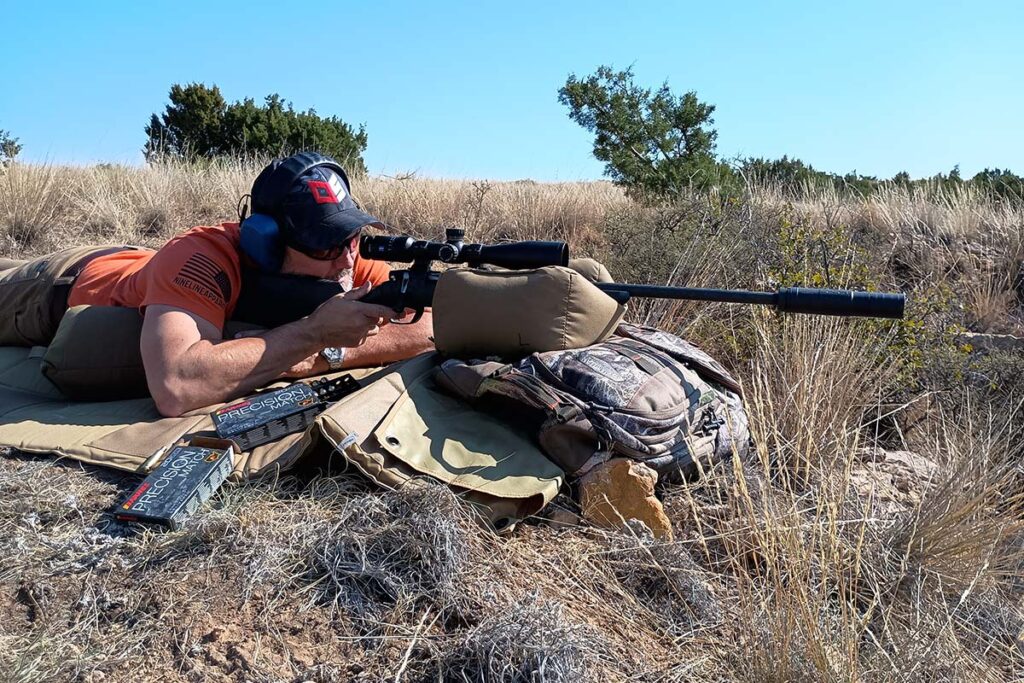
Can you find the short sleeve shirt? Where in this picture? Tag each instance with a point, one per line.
(198, 271)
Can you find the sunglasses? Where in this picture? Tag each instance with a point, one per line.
(331, 253)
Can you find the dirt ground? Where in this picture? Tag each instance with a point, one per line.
(314, 577)
(320, 577)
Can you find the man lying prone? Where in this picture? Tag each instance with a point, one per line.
(304, 222)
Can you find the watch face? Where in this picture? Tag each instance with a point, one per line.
(334, 357)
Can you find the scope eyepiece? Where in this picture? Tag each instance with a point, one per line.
(387, 248)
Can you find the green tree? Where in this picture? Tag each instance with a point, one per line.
(1001, 183)
(862, 185)
(199, 123)
(792, 175)
(191, 125)
(277, 129)
(797, 178)
(652, 142)
(9, 148)
(947, 182)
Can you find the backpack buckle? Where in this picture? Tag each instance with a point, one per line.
(501, 372)
(565, 412)
(710, 424)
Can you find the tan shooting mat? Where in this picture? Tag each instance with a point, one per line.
(396, 429)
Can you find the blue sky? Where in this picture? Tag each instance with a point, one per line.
(461, 89)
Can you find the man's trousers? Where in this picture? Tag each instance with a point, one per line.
(34, 294)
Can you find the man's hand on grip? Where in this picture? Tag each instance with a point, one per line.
(345, 321)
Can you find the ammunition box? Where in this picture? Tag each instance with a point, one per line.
(184, 480)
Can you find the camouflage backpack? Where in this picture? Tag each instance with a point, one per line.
(642, 394)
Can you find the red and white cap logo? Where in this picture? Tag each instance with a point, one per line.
(331, 191)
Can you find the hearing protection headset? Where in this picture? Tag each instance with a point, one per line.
(263, 233)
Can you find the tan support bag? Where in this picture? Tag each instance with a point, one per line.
(512, 313)
(402, 428)
(95, 354)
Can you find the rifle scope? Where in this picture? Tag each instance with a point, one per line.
(518, 255)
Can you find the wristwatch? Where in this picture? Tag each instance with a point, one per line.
(335, 357)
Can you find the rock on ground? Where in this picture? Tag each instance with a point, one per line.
(896, 479)
(987, 343)
(619, 490)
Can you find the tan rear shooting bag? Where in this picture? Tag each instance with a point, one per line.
(513, 313)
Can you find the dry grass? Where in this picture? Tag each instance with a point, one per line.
(785, 567)
(524, 642)
(47, 207)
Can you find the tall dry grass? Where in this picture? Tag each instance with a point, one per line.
(909, 238)
(785, 567)
(45, 207)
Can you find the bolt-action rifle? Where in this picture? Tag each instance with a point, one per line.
(273, 300)
(413, 288)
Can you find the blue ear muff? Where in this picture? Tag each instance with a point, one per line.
(261, 241)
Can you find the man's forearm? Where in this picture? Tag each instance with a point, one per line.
(395, 342)
(211, 372)
(189, 365)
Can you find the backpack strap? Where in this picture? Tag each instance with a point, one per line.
(640, 353)
(705, 366)
(465, 380)
(533, 391)
(472, 380)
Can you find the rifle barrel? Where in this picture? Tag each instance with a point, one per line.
(791, 299)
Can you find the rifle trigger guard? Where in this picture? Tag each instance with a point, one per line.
(415, 318)
(403, 289)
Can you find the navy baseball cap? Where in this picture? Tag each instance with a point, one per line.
(318, 212)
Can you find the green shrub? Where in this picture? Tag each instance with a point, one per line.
(199, 123)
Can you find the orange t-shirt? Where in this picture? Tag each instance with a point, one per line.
(198, 271)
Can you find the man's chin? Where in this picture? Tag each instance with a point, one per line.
(344, 278)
